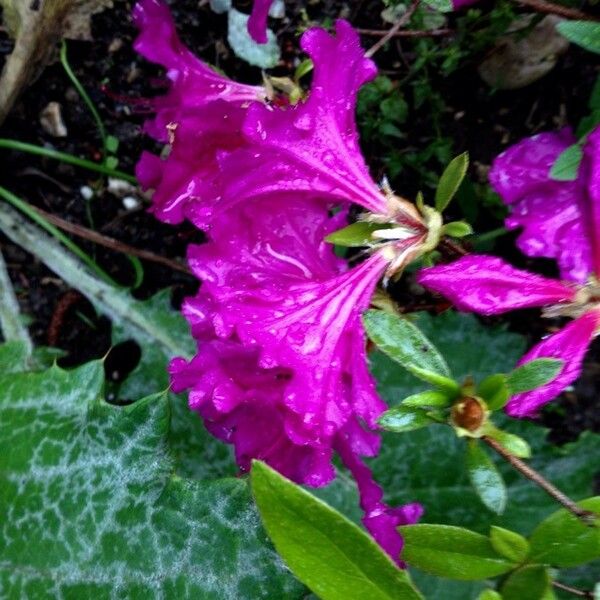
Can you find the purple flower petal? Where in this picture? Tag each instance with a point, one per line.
(569, 344)
(551, 213)
(592, 164)
(490, 286)
(257, 23)
(311, 148)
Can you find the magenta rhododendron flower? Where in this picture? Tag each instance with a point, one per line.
(281, 345)
(201, 114)
(257, 23)
(489, 286)
(559, 218)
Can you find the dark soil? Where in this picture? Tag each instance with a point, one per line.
(116, 78)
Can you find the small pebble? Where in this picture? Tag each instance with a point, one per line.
(130, 203)
(86, 192)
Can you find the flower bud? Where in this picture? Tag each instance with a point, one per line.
(469, 414)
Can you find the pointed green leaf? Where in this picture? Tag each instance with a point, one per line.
(494, 391)
(429, 398)
(91, 509)
(354, 235)
(304, 68)
(513, 443)
(486, 479)
(450, 181)
(401, 340)
(563, 540)
(583, 33)
(566, 166)
(509, 544)
(531, 582)
(440, 5)
(457, 229)
(331, 555)
(534, 374)
(451, 552)
(404, 418)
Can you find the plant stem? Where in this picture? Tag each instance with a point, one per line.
(409, 33)
(543, 6)
(403, 20)
(586, 516)
(574, 591)
(10, 315)
(84, 96)
(66, 158)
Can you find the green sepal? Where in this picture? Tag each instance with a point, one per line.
(452, 552)
(494, 390)
(430, 398)
(404, 418)
(563, 540)
(355, 235)
(533, 374)
(450, 181)
(457, 229)
(509, 544)
(485, 478)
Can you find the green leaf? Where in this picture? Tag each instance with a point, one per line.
(401, 340)
(264, 56)
(494, 391)
(457, 229)
(14, 357)
(486, 479)
(404, 418)
(489, 594)
(450, 181)
(331, 555)
(566, 166)
(583, 33)
(440, 5)
(429, 398)
(511, 442)
(452, 552)
(562, 540)
(509, 544)
(354, 235)
(304, 68)
(531, 582)
(534, 374)
(104, 515)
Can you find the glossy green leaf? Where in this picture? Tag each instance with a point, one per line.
(452, 552)
(531, 582)
(450, 181)
(563, 540)
(404, 418)
(494, 390)
(583, 33)
(91, 508)
(404, 342)
(486, 479)
(457, 229)
(533, 374)
(566, 166)
(330, 554)
(509, 544)
(430, 398)
(354, 235)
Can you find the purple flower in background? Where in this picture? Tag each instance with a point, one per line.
(281, 371)
(201, 115)
(489, 286)
(560, 219)
(257, 23)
